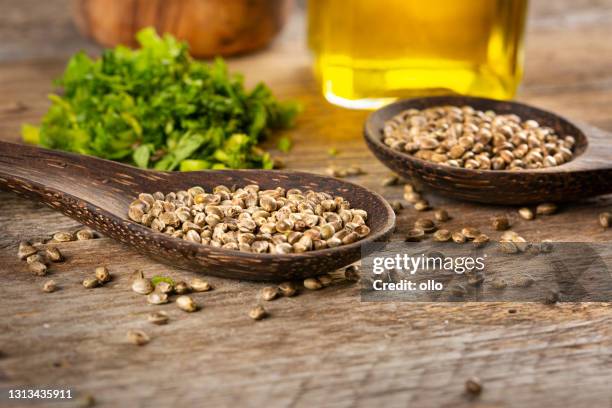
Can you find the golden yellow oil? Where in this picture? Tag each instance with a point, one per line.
(370, 52)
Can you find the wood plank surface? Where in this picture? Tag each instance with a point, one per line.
(324, 348)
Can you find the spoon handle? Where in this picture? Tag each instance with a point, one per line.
(60, 179)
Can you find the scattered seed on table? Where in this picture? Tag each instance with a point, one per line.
(103, 275)
(164, 287)
(34, 258)
(63, 236)
(158, 317)
(390, 180)
(257, 313)
(49, 286)
(186, 303)
(481, 240)
(526, 213)
(396, 206)
(25, 250)
(138, 337)
(312, 284)
(441, 215)
(412, 197)
(473, 386)
(54, 254)
(157, 298)
(38, 268)
(325, 280)
(470, 232)
(500, 223)
(414, 235)
(421, 205)
(546, 209)
(458, 237)
(442, 235)
(142, 286)
(354, 170)
(181, 288)
(351, 273)
(269, 293)
(425, 224)
(84, 235)
(90, 283)
(605, 219)
(199, 285)
(287, 289)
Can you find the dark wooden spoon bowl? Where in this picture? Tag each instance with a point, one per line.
(97, 193)
(589, 173)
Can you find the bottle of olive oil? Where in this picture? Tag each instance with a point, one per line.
(370, 52)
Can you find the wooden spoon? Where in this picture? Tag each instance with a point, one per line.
(589, 173)
(97, 193)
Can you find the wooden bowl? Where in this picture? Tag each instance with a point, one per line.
(589, 173)
(211, 27)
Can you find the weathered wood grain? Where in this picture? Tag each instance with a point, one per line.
(321, 348)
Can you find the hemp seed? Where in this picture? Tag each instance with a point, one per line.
(287, 289)
(142, 286)
(426, 225)
(481, 240)
(526, 213)
(54, 254)
(351, 273)
(421, 205)
(470, 233)
(605, 219)
(84, 234)
(441, 215)
(90, 283)
(546, 209)
(49, 286)
(34, 258)
(186, 303)
(312, 284)
(138, 337)
(157, 298)
(63, 236)
(181, 288)
(257, 313)
(500, 223)
(458, 237)
(269, 293)
(442, 235)
(473, 386)
(415, 235)
(199, 285)
(103, 275)
(164, 287)
(39, 268)
(158, 317)
(25, 250)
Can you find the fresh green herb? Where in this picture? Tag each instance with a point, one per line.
(157, 279)
(332, 151)
(284, 144)
(156, 107)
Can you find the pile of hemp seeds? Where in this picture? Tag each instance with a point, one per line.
(473, 139)
(248, 219)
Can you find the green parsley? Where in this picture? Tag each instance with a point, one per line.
(156, 107)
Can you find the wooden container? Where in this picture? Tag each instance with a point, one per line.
(212, 27)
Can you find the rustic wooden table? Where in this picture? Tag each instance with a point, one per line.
(323, 348)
